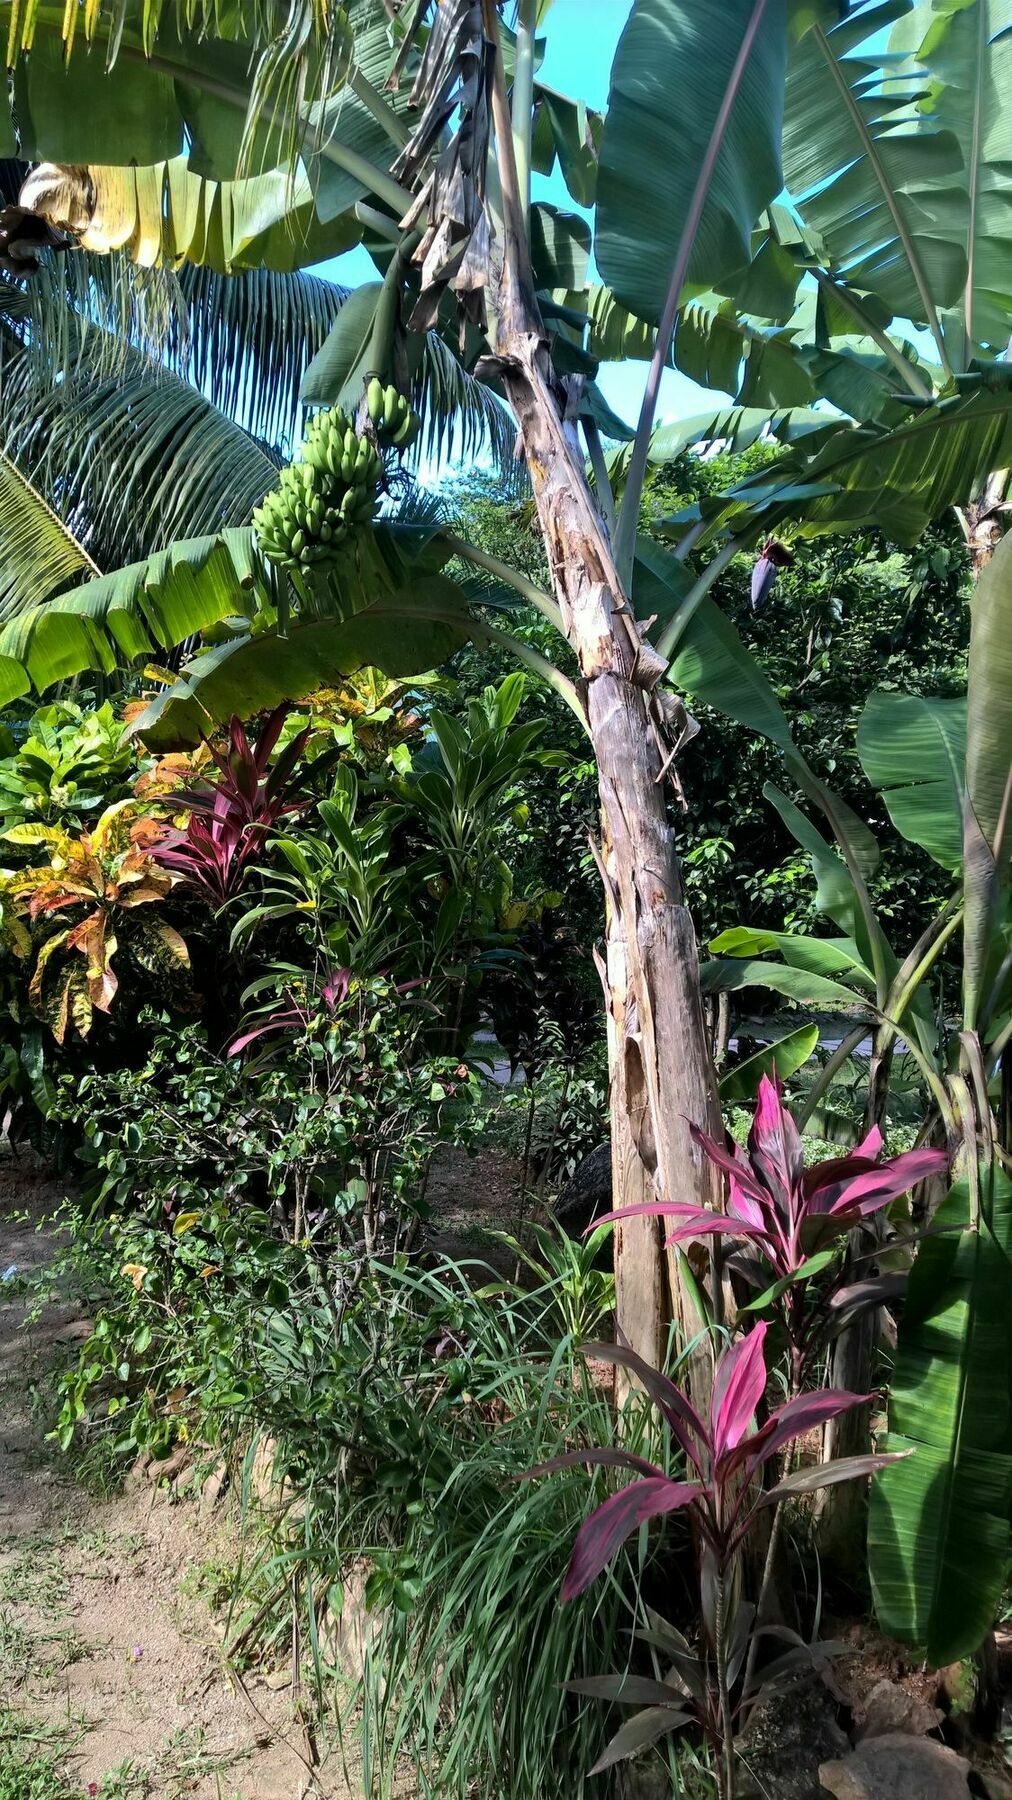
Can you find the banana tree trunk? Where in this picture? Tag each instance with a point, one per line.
(661, 1070)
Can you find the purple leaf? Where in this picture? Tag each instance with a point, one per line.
(593, 1458)
(642, 1729)
(823, 1475)
(733, 1164)
(611, 1523)
(775, 1143)
(739, 1384)
(798, 1416)
(871, 1189)
(683, 1421)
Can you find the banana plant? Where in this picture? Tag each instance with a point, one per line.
(779, 301)
(939, 1523)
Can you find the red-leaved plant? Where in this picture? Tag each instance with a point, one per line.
(722, 1495)
(230, 817)
(796, 1218)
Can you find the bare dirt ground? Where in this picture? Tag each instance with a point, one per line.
(111, 1674)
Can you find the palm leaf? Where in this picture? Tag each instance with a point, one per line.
(134, 459)
(39, 556)
(939, 1524)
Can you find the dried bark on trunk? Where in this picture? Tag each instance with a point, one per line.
(661, 1072)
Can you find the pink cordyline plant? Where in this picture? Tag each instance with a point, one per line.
(230, 817)
(724, 1453)
(793, 1216)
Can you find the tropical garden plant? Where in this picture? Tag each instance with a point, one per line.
(823, 218)
(790, 100)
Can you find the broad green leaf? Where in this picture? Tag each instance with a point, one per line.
(819, 956)
(938, 1533)
(570, 132)
(871, 187)
(73, 113)
(672, 69)
(967, 49)
(900, 479)
(804, 1272)
(785, 1057)
(402, 633)
(759, 366)
(147, 606)
(560, 247)
(728, 976)
(341, 363)
(736, 428)
(914, 750)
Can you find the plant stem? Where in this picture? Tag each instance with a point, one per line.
(625, 536)
(602, 480)
(668, 641)
(523, 99)
(893, 354)
(764, 1587)
(726, 1718)
(512, 577)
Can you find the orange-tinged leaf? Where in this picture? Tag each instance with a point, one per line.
(136, 1272)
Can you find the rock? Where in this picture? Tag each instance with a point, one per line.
(897, 1767)
(170, 1467)
(587, 1193)
(212, 1487)
(135, 1479)
(889, 1708)
(994, 1787)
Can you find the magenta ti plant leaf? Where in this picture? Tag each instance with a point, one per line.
(796, 1218)
(724, 1453)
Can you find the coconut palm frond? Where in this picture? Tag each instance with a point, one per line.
(130, 460)
(39, 555)
(250, 340)
(462, 419)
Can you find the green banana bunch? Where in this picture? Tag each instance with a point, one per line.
(321, 499)
(393, 417)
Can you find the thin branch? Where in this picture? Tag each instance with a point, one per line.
(668, 641)
(904, 369)
(625, 537)
(381, 110)
(538, 664)
(512, 578)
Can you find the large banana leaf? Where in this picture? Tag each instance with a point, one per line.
(168, 212)
(873, 187)
(736, 428)
(914, 750)
(729, 975)
(938, 1535)
(672, 70)
(988, 767)
(900, 479)
(966, 45)
(405, 632)
(131, 613)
